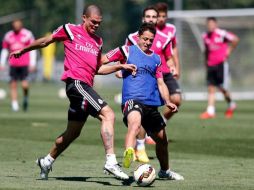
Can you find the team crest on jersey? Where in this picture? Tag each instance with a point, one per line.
(100, 101)
(79, 36)
(158, 44)
(136, 106)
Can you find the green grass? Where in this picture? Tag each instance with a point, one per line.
(214, 154)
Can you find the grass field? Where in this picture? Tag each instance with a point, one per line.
(213, 155)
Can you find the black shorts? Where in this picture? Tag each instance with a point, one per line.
(18, 73)
(171, 83)
(84, 101)
(218, 75)
(151, 119)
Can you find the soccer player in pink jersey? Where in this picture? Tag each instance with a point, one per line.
(171, 73)
(15, 39)
(82, 61)
(219, 44)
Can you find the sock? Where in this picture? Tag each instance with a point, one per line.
(211, 110)
(111, 159)
(48, 160)
(15, 105)
(140, 144)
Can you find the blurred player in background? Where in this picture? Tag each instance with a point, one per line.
(18, 38)
(171, 70)
(219, 45)
(82, 61)
(141, 97)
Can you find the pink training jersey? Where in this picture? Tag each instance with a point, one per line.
(161, 46)
(121, 54)
(82, 52)
(170, 31)
(216, 44)
(14, 41)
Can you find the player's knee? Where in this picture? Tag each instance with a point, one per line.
(108, 114)
(162, 142)
(176, 99)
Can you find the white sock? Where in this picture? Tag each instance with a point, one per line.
(140, 144)
(211, 110)
(48, 160)
(15, 105)
(111, 159)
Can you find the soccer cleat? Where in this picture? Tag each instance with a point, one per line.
(149, 140)
(170, 175)
(128, 157)
(116, 171)
(230, 111)
(44, 169)
(206, 115)
(141, 156)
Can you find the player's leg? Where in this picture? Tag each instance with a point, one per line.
(140, 151)
(223, 87)
(175, 94)
(155, 126)
(134, 124)
(25, 86)
(212, 81)
(61, 143)
(13, 88)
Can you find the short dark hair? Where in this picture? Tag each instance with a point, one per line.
(149, 8)
(147, 27)
(211, 18)
(162, 7)
(88, 9)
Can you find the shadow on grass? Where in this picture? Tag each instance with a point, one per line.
(93, 179)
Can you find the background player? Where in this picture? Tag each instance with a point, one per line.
(219, 44)
(82, 62)
(18, 38)
(171, 70)
(141, 97)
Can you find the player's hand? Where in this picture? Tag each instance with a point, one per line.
(172, 107)
(175, 73)
(32, 69)
(16, 54)
(2, 68)
(130, 67)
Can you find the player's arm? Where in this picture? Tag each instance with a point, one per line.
(108, 69)
(37, 44)
(165, 94)
(233, 44)
(4, 56)
(114, 56)
(175, 58)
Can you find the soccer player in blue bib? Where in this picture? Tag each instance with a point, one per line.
(142, 93)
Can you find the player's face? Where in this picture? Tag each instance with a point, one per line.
(211, 25)
(92, 22)
(17, 25)
(145, 41)
(162, 18)
(150, 16)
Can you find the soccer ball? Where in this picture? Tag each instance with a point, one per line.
(144, 175)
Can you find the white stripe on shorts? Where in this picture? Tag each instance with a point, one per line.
(225, 84)
(87, 96)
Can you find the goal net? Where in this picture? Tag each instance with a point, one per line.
(190, 26)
